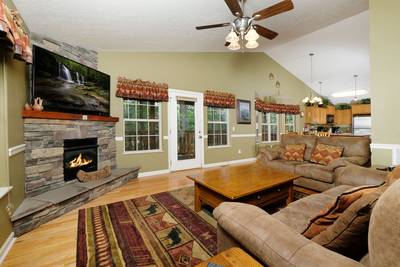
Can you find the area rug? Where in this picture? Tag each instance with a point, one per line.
(156, 230)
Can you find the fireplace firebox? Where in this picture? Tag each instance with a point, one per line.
(79, 154)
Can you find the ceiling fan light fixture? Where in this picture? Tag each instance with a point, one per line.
(234, 46)
(232, 37)
(252, 35)
(252, 44)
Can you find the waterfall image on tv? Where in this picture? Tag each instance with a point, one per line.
(68, 86)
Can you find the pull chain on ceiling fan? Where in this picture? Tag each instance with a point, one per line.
(243, 27)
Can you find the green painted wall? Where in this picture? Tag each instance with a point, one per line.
(242, 74)
(14, 88)
(385, 88)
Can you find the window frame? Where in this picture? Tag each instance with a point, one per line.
(159, 120)
(292, 124)
(219, 122)
(269, 124)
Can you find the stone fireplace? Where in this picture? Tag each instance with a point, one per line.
(79, 154)
(58, 145)
(46, 140)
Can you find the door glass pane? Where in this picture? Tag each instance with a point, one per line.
(186, 129)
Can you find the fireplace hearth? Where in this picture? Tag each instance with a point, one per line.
(79, 154)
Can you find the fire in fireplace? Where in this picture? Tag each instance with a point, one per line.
(79, 154)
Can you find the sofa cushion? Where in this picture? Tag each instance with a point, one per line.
(313, 184)
(317, 172)
(294, 152)
(283, 165)
(298, 214)
(337, 190)
(349, 234)
(353, 146)
(327, 217)
(325, 154)
(309, 140)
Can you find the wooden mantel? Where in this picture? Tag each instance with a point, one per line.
(49, 115)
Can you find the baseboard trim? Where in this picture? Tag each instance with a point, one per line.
(152, 173)
(217, 164)
(6, 247)
(16, 149)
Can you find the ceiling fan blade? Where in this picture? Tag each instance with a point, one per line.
(267, 33)
(213, 26)
(281, 7)
(234, 7)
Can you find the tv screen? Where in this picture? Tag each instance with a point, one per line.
(68, 86)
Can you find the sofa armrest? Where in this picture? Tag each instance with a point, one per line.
(273, 242)
(344, 161)
(268, 153)
(357, 176)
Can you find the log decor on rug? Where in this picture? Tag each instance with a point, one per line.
(12, 34)
(262, 106)
(94, 176)
(142, 90)
(219, 99)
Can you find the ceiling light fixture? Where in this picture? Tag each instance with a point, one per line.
(310, 100)
(349, 93)
(232, 37)
(355, 87)
(252, 44)
(234, 46)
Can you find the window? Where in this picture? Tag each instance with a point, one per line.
(290, 123)
(217, 126)
(269, 127)
(142, 125)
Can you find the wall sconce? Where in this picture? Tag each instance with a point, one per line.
(271, 76)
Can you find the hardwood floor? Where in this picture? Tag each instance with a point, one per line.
(54, 243)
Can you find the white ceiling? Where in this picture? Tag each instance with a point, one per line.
(341, 50)
(159, 25)
(335, 30)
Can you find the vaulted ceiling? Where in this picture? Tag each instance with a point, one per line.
(169, 26)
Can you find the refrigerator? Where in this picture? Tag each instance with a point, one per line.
(362, 125)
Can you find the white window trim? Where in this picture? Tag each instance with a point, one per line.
(159, 150)
(294, 122)
(269, 128)
(228, 141)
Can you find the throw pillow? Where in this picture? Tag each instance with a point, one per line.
(324, 154)
(294, 152)
(328, 217)
(348, 235)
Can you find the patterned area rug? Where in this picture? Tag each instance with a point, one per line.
(156, 230)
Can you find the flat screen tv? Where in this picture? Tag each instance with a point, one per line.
(68, 86)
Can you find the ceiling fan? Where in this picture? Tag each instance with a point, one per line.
(243, 27)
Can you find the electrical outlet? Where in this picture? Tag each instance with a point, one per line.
(239, 151)
(9, 209)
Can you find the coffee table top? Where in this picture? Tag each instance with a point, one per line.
(233, 257)
(235, 181)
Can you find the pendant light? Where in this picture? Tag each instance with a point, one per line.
(308, 99)
(355, 88)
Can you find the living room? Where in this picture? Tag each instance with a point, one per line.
(135, 139)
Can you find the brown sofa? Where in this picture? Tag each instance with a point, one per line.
(276, 240)
(315, 176)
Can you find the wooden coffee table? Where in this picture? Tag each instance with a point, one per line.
(248, 183)
(233, 257)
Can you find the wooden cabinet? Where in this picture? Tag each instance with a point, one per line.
(343, 117)
(330, 110)
(315, 115)
(361, 109)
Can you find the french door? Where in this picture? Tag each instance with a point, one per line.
(185, 121)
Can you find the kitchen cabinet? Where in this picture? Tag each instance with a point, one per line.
(343, 117)
(330, 110)
(361, 109)
(315, 115)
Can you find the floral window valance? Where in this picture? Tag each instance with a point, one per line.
(143, 90)
(219, 99)
(276, 108)
(12, 35)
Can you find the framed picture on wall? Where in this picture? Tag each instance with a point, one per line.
(243, 111)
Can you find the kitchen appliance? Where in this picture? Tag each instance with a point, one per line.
(362, 125)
